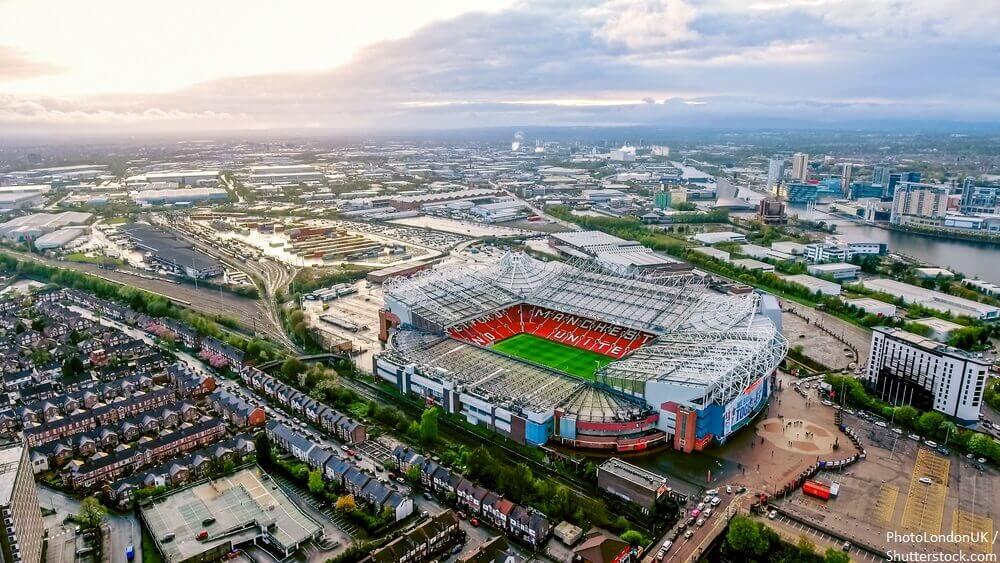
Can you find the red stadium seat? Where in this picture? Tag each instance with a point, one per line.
(603, 338)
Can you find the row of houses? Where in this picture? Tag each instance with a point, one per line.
(348, 477)
(235, 410)
(433, 536)
(329, 419)
(523, 523)
(110, 467)
(103, 414)
(179, 470)
(65, 404)
(111, 437)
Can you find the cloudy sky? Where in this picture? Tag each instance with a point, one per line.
(384, 64)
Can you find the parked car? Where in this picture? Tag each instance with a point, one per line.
(925, 480)
(474, 522)
(930, 443)
(914, 437)
(773, 514)
(700, 522)
(688, 534)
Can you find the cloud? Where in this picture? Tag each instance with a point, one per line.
(15, 110)
(602, 63)
(14, 65)
(645, 24)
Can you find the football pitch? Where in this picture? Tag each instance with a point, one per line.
(567, 359)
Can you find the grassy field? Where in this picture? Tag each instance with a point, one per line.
(574, 361)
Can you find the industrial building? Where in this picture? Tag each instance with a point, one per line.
(10, 201)
(932, 299)
(21, 527)
(632, 483)
(167, 251)
(614, 253)
(837, 270)
(31, 227)
(184, 177)
(720, 236)
(209, 520)
(180, 195)
(873, 306)
(284, 174)
(60, 238)
(909, 369)
(815, 285)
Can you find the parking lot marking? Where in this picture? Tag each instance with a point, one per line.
(885, 506)
(965, 522)
(924, 508)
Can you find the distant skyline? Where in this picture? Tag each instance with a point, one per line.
(102, 66)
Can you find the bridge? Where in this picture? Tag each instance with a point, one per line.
(269, 365)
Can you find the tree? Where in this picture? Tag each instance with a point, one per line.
(91, 513)
(429, 425)
(291, 368)
(634, 538)
(316, 483)
(346, 504)
(906, 416)
(744, 536)
(413, 475)
(72, 366)
(834, 556)
(806, 547)
(262, 445)
(929, 423)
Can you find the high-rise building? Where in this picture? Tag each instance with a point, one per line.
(801, 192)
(909, 369)
(880, 175)
(775, 169)
(919, 203)
(800, 166)
(912, 177)
(21, 516)
(845, 179)
(890, 187)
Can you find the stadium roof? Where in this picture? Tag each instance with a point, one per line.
(653, 301)
(704, 339)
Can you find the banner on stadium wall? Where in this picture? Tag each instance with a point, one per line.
(743, 406)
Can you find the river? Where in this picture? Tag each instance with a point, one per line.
(973, 259)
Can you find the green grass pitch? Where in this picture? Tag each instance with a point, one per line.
(558, 356)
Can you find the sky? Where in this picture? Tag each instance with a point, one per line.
(382, 65)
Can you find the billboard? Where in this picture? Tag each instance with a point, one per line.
(742, 407)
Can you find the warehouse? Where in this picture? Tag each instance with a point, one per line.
(837, 270)
(186, 195)
(167, 251)
(30, 227)
(874, 306)
(814, 285)
(935, 300)
(60, 238)
(20, 200)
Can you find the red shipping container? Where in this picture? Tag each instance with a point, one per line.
(816, 489)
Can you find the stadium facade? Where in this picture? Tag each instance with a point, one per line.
(673, 361)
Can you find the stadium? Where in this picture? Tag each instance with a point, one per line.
(580, 355)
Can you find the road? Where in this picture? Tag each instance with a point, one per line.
(125, 528)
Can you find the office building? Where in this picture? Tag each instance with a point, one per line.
(771, 212)
(890, 187)
(909, 369)
(775, 169)
(21, 516)
(800, 166)
(845, 179)
(835, 270)
(801, 192)
(880, 175)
